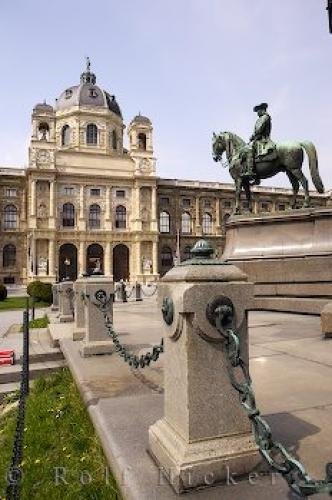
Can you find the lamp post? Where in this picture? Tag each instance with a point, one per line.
(67, 264)
(329, 11)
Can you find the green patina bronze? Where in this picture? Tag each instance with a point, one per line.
(202, 254)
(262, 159)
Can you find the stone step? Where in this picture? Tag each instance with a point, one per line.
(10, 374)
(43, 356)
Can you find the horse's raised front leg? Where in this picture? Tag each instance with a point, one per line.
(238, 186)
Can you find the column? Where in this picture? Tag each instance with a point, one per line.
(51, 247)
(155, 257)
(108, 215)
(81, 222)
(154, 226)
(217, 228)
(33, 255)
(138, 258)
(107, 262)
(198, 220)
(52, 210)
(81, 258)
(23, 212)
(33, 198)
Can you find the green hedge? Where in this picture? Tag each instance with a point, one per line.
(40, 291)
(3, 292)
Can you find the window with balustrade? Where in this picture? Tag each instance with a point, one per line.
(94, 216)
(164, 222)
(207, 223)
(10, 217)
(9, 255)
(68, 215)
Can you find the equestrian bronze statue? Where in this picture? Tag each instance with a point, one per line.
(262, 159)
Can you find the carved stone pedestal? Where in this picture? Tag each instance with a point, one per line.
(204, 434)
(79, 291)
(66, 304)
(97, 339)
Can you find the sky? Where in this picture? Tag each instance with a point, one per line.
(191, 66)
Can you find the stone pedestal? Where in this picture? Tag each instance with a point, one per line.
(326, 320)
(97, 339)
(55, 292)
(79, 291)
(205, 433)
(66, 301)
(288, 255)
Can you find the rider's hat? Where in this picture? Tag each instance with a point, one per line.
(262, 106)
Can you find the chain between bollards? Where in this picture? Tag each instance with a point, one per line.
(279, 459)
(104, 304)
(14, 476)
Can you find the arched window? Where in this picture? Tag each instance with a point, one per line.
(114, 138)
(142, 141)
(44, 131)
(166, 257)
(120, 217)
(9, 255)
(65, 135)
(92, 134)
(164, 222)
(68, 215)
(185, 223)
(94, 216)
(10, 217)
(207, 223)
(186, 253)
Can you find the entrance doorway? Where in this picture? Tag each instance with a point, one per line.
(94, 258)
(68, 262)
(120, 263)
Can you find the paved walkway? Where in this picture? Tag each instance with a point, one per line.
(291, 367)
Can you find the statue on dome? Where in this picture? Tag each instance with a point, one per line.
(262, 158)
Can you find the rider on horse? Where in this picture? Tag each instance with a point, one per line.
(261, 144)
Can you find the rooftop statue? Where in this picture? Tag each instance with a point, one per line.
(262, 159)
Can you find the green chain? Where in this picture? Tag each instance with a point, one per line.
(291, 469)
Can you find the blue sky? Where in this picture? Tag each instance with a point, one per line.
(192, 66)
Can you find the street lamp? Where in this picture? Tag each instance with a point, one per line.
(67, 264)
(329, 11)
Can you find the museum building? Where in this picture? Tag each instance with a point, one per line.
(85, 201)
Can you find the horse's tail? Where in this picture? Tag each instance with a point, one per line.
(310, 149)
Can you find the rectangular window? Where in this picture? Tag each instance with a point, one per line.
(120, 193)
(69, 191)
(207, 203)
(227, 204)
(94, 192)
(186, 202)
(282, 207)
(265, 207)
(164, 200)
(11, 192)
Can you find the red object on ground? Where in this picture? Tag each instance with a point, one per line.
(6, 352)
(7, 361)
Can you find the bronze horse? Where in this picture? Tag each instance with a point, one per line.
(289, 159)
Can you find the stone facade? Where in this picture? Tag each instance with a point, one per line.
(85, 201)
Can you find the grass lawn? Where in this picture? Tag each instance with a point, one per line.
(58, 434)
(11, 303)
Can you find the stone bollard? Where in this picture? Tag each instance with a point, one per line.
(97, 339)
(66, 305)
(123, 292)
(326, 320)
(118, 292)
(205, 434)
(79, 291)
(55, 293)
(138, 292)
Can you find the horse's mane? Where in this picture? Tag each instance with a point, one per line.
(237, 140)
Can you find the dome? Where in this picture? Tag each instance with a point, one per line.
(144, 120)
(87, 93)
(43, 107)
